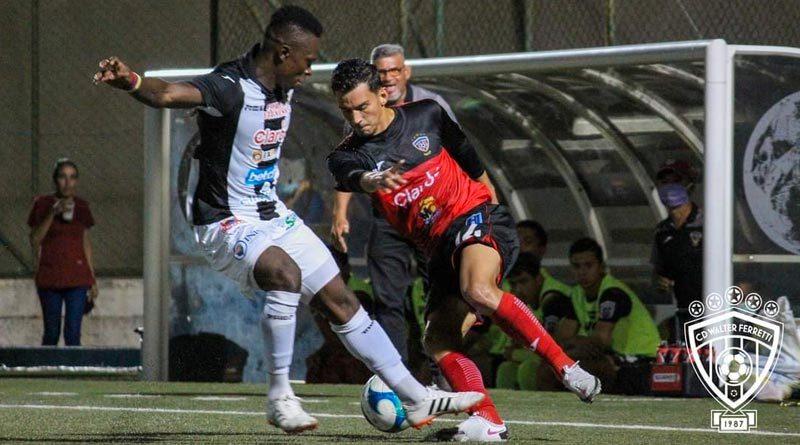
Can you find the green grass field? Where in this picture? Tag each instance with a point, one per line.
(93, 411)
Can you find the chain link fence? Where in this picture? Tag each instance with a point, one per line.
(430, 28)
(50, 51)
(52, 47)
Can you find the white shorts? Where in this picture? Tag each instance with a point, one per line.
(232, 246)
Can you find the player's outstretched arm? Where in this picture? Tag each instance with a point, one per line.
(150, 91)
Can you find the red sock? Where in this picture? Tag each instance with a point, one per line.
(517, 320)
(463, 375)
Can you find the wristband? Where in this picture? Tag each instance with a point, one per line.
(135, 82)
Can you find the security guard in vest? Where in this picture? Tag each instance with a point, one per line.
(609, 314)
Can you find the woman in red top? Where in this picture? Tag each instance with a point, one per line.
(60, 225)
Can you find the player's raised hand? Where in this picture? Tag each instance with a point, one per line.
(386, 180)
(392, 178)
(117, 74)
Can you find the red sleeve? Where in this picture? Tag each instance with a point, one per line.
(38, 211)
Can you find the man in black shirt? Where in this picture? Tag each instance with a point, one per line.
(677, 255)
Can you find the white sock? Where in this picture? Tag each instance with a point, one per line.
(279, 386)
(368, 342)
(278, 325)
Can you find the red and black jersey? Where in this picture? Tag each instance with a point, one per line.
(441, 168)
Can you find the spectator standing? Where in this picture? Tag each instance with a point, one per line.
(64, 272)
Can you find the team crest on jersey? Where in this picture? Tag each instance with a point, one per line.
(428, 211)
(696, 237)
(422, 143)
(258, 155)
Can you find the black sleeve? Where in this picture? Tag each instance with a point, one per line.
(347, 168)
(614, 304)
(556, 304)
(455, 142)
(221, 91)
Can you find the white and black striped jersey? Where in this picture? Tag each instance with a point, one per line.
(242, 128)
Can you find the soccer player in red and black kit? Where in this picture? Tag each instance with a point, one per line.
(427, 180)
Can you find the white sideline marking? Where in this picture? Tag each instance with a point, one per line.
(219, 398)
(355, 416)
(132, 396)
(52, 393)
(643, 399)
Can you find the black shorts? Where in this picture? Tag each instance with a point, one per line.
(488, 224)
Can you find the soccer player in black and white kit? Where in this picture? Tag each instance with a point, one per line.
(244, 229)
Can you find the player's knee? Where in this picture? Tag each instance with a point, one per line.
(277, 272)
(481, 296)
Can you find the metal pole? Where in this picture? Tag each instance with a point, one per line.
(156, 244)
(611, 25)
(527, 24)
(34, 97)
(214, 31)
(405, 12)
(717, 238)
(439, 28)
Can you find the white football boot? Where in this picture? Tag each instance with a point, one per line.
(584, 385)
(479, 429)
(439, 402)
(287, 414)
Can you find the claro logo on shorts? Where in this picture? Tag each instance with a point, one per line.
(410, 194)
(258, 176)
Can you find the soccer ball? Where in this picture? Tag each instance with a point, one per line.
(734, 366)
(381, 406)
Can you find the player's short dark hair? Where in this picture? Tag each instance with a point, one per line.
(291, 19)
(587, 245)
(349, 73)
(61, 163)
(537, 228)
(526, 262)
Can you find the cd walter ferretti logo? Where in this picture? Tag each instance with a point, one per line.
(744, 347)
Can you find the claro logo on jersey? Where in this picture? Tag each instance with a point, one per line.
(265, 136)
(258, 176)
(410, 194)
